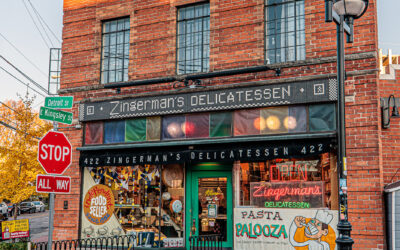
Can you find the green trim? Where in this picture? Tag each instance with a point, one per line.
(258, 138)
(192, 198)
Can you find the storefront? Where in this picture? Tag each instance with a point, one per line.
(255, 165)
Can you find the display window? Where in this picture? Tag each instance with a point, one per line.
(305, 183)
(142, 200)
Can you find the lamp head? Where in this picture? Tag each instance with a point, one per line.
(350, 8)
(395, 111)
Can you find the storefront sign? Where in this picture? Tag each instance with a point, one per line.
(287, 194)
(238, 98)
(98, 204)
(284, 228)
(249, 154)
(15, 229)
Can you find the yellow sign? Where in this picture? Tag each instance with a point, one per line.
(15, 229)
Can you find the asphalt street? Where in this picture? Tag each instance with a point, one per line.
(38, 225)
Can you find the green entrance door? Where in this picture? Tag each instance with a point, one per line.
(209, 203)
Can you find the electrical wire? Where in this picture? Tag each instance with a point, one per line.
(33, 20)
(44, 29)
(12, 45)
(19, 80)
(15, 129)
(40, 18)
(25, 75)
(7, 106)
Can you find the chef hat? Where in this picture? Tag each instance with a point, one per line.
(323, 216)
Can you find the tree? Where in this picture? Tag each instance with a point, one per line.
(20, 132)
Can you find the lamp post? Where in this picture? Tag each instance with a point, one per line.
(343, 13)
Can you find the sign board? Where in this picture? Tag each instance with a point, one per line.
(250, 153)
(260, 228)
(266, 95)
(98, 204)
(59, 102)
(55, 115)
(55, 153)
(15, 229)
(53, 184)
(286, 194)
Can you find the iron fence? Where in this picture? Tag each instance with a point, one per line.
(118, 242)
(206, 242)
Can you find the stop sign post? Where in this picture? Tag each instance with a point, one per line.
(55, 153)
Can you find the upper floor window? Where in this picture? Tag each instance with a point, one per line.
(285, 30)
(193, 41)
(115, 51)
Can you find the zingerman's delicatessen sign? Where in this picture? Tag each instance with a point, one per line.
(276, 144)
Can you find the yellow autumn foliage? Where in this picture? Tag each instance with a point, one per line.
(18, 149)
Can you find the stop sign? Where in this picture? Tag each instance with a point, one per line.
(55, 153)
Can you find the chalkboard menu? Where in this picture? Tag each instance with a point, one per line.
(294, 194)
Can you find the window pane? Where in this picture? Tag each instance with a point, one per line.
(135, 130)
(220, 124)
(114, 131)
(115, 56)
(193, 39)
(322, 117)
(173, 127)
(285, 30)
(246, 122)
(94, 133)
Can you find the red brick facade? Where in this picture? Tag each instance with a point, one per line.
(237, 40)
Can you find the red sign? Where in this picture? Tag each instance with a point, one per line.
(55, 153)
(274, 193)
(53, 184)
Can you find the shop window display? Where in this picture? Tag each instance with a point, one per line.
(289, 183)
(148, 202)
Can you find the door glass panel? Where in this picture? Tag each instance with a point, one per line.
(213, 207)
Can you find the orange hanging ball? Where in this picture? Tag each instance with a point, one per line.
(259, 123)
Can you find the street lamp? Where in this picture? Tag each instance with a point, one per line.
(343, 13)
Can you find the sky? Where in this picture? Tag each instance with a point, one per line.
(18, 28)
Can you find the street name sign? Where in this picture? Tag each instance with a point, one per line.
(55, 115)
(59, 102)
(55, 153)
(53, 184)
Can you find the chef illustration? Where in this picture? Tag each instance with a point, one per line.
(314, 229)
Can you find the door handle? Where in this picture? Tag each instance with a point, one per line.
(193, 229)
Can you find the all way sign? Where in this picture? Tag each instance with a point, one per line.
(53, 184)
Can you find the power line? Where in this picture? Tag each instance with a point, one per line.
(15, 129)
(40, 18)
(18, 113)
(41, 24)
(16, 78)
(25, 75)
(33, 20)
(34, 65)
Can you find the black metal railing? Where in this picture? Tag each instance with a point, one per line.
(206, 242)
(118, 242)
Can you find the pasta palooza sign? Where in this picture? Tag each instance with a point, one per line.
(98, 204)
(260, 228)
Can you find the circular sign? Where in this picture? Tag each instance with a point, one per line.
(172, 175)
(166, 196)
(55, 153)
(98, 204)
(176, 206)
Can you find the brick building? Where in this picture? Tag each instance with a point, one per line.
(234, 98)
